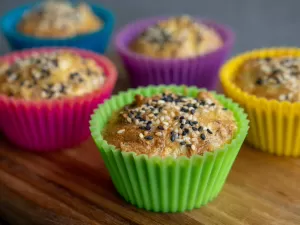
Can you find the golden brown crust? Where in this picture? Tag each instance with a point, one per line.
(50, 75)
(272, 78)
(171, 125)
(177, 37)
(59, 19)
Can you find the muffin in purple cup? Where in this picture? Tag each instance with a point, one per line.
(175, 50)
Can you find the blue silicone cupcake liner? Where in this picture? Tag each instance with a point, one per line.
(96, 41)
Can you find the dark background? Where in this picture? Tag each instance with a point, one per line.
(257, 23)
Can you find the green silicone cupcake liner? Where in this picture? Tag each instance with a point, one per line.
(166, 184)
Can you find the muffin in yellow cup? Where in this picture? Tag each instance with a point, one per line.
(270, 94)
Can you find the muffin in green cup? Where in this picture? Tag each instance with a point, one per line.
(169, 148)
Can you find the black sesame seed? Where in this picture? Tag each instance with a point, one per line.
(142, 128)
(176, 117)
(189, 145)
(73, 75)
(259, 81)
(267, 59)
(193, 111)
(195, 122)
(181, 118)
(181, 126)
(225, 109)
(202, 102)
(209, 131)
(148, 138)
(200, 128)
(62, 89)
(55, 62)
(185, 132)
(182, 143)
(194, 128)
(155, 114)
(203, 137)
(149, 123)
(195, 106)
(173, 137)
(212, 104)
(160, 127)
(190, 105)
(148, 127)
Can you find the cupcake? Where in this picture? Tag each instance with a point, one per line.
(59, 19)
(169, 148)
(266, 83)
(47, 95)
(176, 50)
(58, 23)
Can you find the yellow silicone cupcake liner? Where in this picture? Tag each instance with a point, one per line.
(274, 125)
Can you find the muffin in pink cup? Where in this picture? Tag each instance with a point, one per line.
(175, 50)
(48, 94)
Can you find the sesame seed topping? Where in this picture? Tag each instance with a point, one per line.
(203, 137)
(158, 134)
(148, 138)
(121, 131)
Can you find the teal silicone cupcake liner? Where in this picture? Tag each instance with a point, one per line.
(96, 41)
(166, 184)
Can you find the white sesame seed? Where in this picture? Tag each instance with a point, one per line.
(158, 134)
(121, 131)
(172, 114)
(193, 147)
(161, 102)
(166, 123)
(167, 118)
(141, 135)
(129, 120)
(151, 115)
(162, 118)
(282, 97)
(195, 139)
(164, 112)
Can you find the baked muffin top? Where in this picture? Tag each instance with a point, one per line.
(273, 78)
(177, 37)
(52, 75)
(59, 19)
(171, 125)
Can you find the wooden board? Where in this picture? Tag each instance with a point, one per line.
(74, 187)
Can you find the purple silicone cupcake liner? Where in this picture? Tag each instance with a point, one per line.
(201, 71)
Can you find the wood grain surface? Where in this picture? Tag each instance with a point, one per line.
(74, 187)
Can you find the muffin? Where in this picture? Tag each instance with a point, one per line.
(58, 23)
(266, 83)
(59, 19)
(51, 76)
(272, 78)
(171, 125)
(47, 95)
(168, 148)
(177, 37)
(175, 50)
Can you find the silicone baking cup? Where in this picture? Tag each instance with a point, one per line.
(47, 125)
(201, 71)
(96, 41)
(166, 184)
(274, 125)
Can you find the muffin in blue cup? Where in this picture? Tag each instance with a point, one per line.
(58, 24)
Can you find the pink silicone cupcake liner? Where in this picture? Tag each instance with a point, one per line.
(48, 125)
(201, 71)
